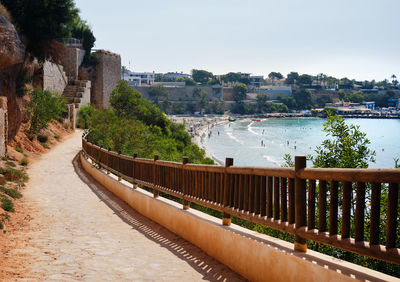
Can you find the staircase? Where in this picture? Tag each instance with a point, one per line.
(77, 92)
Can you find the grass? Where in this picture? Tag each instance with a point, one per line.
(19, 150)
(45, 145)
(14, 174)
(6, 204)
(11, 192)
(10, 163)
(4, 159)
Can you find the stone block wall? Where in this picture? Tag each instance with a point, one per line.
(71, 62)
(54, 77)
(185, 93)
(108, 73)
(3, 126)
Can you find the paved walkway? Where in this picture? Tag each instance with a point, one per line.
(83, 232)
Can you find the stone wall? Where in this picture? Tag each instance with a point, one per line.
(108, 73)
(54, 77)
(3, 126)
(186, 93)
(71, 62)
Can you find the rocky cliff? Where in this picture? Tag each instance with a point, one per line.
(12, 52)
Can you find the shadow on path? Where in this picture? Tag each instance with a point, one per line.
(210, 268)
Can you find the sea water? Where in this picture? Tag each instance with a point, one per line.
(264, 143)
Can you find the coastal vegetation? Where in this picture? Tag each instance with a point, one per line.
(44, 24)
(135, 125)
(43, 108)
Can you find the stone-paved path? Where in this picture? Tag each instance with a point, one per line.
(82, 232)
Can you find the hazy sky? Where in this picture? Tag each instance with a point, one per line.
(354, 38)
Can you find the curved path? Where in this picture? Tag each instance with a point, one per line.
(82, 232)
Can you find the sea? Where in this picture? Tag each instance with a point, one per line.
(265, 142)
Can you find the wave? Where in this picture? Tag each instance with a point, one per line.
(230, 135)
(272, 160)
(251, 130)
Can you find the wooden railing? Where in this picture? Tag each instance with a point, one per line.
(329, 206)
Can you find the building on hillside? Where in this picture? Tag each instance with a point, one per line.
(256, 81)
(176, 75)
(138, 78)
(274, 91)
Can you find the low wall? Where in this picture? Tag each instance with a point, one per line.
(255, 256)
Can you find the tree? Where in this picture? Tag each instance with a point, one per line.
(201, 76)
(129, 104)
(275, 75)
(239, 92)
(345, 147)
(81, 30)
(261, 101)
(291, 78)
(43, 108)
(42, 21)
(158, 91)
(303, 99)
(323, 99)
(304, 80)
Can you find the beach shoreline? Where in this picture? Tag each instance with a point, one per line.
(200, 128)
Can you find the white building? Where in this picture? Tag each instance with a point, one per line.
(177, 75)
(138, 78)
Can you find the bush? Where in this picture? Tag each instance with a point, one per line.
(6, 204)
(43, 138)
(10, 163)
(85, 113)
(24, 162)
(19, 150)
(14, 174)
(11, 192)
(43, 108)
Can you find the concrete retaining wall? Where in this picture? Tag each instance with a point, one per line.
(255, 256)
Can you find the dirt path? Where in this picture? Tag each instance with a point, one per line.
(80, 231)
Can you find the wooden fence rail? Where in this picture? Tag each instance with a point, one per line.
(335, 207)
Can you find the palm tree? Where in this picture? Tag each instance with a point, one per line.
(393, 78)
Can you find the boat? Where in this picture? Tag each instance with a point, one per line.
(257, 120)
(231, 119)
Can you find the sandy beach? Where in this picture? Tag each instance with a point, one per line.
(200, 129)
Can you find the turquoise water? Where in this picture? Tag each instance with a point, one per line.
(241, 140)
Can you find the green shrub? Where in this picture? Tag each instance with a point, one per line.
(57, 137)
(4, 158)
(24, 162)
(6, 204)
(45, 145)
(43, 138)
(11, 192)
(10, 163)
(19, 150)
(1, 225)
(43, 108)
(85, 114)
(14, 174)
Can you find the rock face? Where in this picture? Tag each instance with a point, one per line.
(11, 49)
(12, 53)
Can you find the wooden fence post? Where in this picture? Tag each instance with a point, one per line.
(133, 171)
(186, 204)
(108, 160)
(119, 165)
(226, 218)
(300, 244)
(155, 192)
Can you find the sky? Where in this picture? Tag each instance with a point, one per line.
(343, 38)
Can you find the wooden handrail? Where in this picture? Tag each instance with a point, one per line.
(284, 199)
